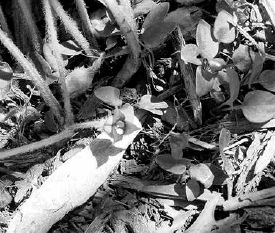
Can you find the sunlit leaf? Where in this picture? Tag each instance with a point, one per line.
(224, 31)
(156, 15)
(193, 190)
(156, 34)
(258, 106)
(152, 104)
(267, 79)
(202, 173)
(241, 58)
(203, 86)
(175, 166)
(207, 46)
(177, 143)
(231, 76)
(189, 53)
(109, 95)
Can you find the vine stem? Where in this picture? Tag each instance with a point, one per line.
(51, 34)
(72, 27)
(36, 78)
(67, 133)
(124, 17)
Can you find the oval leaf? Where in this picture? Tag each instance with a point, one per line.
(177, 143)
(175, 166)
(184, 16)
(259, 106)
(224, 31)
(202, 173)
(267, 79)
(207, 46)
(109, 95)
(241, 58)
(232, 77)
(152, 104)
(156, 34)
(156, 15)
(203, 86)
(189, 53)
(193, 190)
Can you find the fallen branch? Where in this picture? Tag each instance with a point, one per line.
(74, 182)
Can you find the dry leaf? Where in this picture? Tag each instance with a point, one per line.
(5, 79)
(266, 157)
(207, 46)
(223, 28)
(175, 166)
(258, 106)
(267, 79)
(152, 104)
(109, 95)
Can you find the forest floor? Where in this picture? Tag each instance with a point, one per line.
(137, 116)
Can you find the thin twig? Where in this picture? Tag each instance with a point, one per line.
(65, 134)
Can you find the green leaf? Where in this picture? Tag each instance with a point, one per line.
(109, 95)
(207, 46)
(156, 34)
(175, 166)
(232, 77)
(183, 16)
(241, 58)
(156, 15)
(203, 86)
(259, 106)
(267, 79)
(193, 190)
(202, 173)
(177, 143)
(224, 31)
(189, 53)
(152, 104)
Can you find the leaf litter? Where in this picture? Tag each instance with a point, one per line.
(85, 129)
